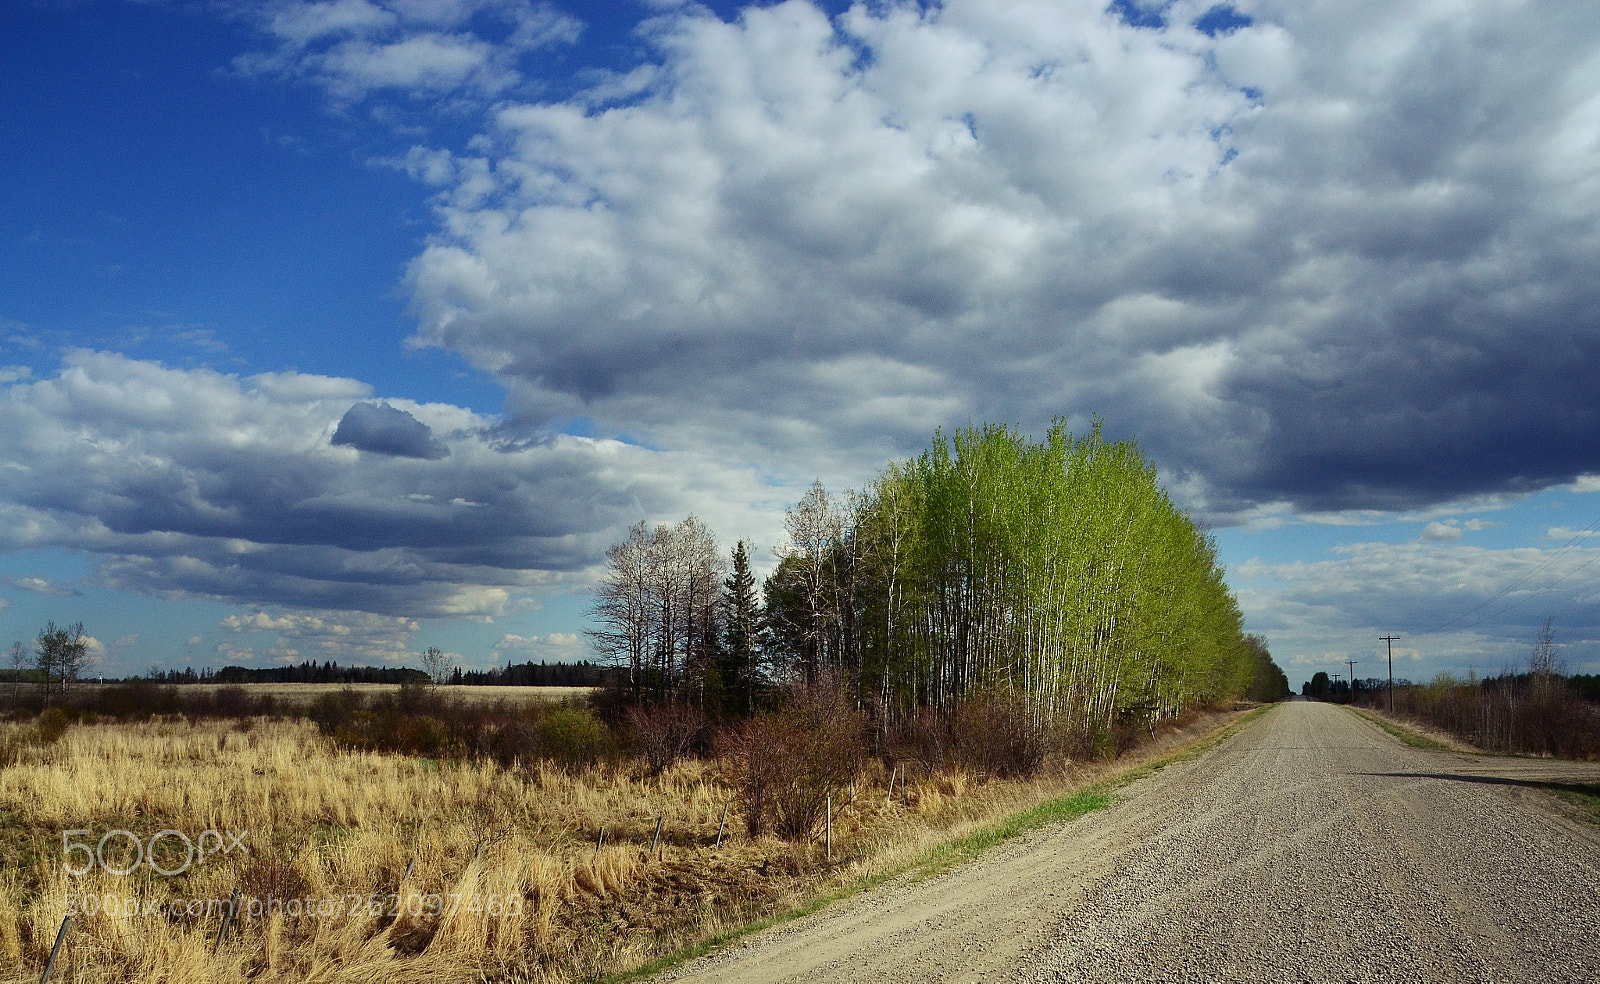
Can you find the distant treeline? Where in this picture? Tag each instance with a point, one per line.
(1541, 711)
(306, 672)
(530, 674)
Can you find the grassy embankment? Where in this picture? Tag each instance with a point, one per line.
(538, 901)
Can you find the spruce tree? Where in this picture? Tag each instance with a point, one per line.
(740, 651)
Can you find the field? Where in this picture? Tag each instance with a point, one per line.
(304, 693)
(360, 866)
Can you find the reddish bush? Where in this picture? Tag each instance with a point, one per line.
(997, 736)
(786, 764)
(665, 733)
(922, 739)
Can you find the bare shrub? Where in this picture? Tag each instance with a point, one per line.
(786, 764)
(996, 736)
(922, 738)
(665, 733)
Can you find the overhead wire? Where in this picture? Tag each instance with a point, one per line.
(1559, 552)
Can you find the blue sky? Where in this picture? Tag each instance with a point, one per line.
(337, 330)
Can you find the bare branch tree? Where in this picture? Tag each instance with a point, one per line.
(438, 665)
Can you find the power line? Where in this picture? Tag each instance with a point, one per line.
(1533, 594)
(1559, 552)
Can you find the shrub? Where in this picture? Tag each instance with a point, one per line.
(51, 724)
(665, 733)
(571, 736)
(786, 764)
(997, 736)
(922, 738)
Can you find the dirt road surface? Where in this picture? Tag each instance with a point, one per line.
(1310, 846)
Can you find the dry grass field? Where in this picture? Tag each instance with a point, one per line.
(305, 693)
(355, 866)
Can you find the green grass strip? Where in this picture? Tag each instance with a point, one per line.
(943, 857)
(1405, 734)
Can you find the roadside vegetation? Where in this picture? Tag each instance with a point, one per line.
(384, 841)
(1534, 711)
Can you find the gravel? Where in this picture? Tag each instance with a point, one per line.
(1308, 847)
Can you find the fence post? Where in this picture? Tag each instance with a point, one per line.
(828, 843)
(724, 822)
(222, 931)
(601, 841)
(655, 842)
(409, 866)
(890, 798)
(55, 951)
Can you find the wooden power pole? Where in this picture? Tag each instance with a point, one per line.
(1390, 640)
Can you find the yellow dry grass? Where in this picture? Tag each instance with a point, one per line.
(305, 693)
(505, 883)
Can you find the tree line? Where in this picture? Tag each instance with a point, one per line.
(1055, 574)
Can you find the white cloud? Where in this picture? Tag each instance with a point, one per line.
(556, 646)
(341, 636)
(1566, 533)
(41, 586)
(797, 239)
(1456, 605)
(355, 49)
(193, 483)
(1435, 532)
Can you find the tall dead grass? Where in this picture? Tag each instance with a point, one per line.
(514, 846)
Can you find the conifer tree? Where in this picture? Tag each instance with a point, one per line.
(740, 639)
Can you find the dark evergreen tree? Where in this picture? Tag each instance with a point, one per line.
(741, 652)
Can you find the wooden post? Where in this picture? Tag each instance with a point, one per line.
(890, 798)
(222, 931)
(601, 841)
(656, 841)
(724, 822)
(828, 843)
(55, 951)
(409, 866)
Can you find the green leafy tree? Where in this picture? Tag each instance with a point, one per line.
(61, 654)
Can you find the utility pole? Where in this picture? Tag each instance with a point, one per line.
(1390, 640)
(1352, 665)
(1335, 686)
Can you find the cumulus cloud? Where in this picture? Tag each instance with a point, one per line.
(556, 646)
(382, 429)
(1436, 531)
(352, 636)
(194, 483)
(1336, 255)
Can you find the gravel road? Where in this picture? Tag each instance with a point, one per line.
(1310, 846)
